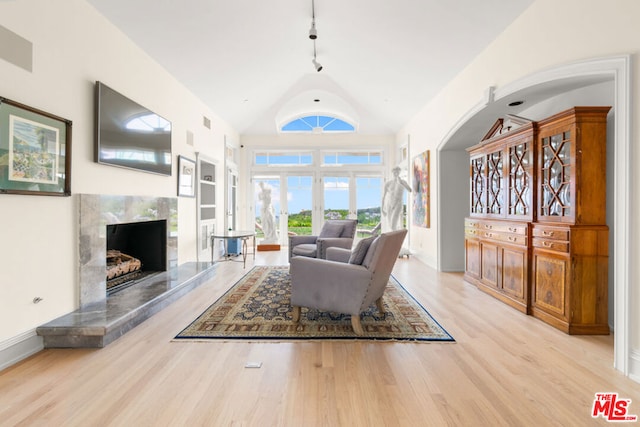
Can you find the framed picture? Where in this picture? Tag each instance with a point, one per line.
(186, 177)
(421, 202)
(35, 151)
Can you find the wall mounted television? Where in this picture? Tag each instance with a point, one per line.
(129, 135)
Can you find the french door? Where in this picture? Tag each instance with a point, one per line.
(292, 200)
(298, 204)
(336, 198)
(301, 207)
(267, 197)
(368, 191)
(232, 196)
(353, 195)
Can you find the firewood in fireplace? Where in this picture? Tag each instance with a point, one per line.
(119, 264)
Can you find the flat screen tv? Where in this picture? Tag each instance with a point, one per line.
(129, 135)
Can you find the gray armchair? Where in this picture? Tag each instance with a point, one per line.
(335, 233)
(346, 287)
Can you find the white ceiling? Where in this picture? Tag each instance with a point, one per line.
(250, 60)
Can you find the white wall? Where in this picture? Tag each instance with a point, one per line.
(549, 34)
(73, 46)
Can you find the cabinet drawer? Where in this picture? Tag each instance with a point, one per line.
(471, 223)
(504, 228)
(505, 237)
(551, 233)
(554, 245)
(471, 232)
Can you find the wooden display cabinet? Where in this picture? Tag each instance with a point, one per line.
(497, 233)
(536, 237)
(569, 282)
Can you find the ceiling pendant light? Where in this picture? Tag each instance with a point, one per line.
(313, 33)
(317, 65)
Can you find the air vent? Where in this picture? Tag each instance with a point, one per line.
(206, 122)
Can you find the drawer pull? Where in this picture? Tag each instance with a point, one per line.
(547, 244)
(547, 233)
(512, 239)
(488, 226)
(512, 229)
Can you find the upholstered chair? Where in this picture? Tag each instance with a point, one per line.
(346, 287)
(334, 233)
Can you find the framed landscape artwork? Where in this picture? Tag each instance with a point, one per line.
(421, 202)
(35, 151)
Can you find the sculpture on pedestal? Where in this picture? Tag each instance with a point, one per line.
(267, 216)
(392, 200)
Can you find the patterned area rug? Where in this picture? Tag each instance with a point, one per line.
(258, 308)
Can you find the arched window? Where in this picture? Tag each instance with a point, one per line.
(317, 124)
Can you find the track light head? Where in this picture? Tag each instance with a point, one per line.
(313, 33)
(317, 65)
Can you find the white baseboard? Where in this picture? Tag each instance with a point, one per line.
(634, 365)
(422, 256)
(19, 347)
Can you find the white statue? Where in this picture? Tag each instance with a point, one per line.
(267, 216)
(392, 200)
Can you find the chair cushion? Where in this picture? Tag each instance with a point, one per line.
(349, 229)
(360, 251)
(372, 250)
(331, 229)
(305, 249)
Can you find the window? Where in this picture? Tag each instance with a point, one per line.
(274, 158)
(317, 124)
(340, 158)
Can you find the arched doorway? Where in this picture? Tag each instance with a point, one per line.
(540, 88)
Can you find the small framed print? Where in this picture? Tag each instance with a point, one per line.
(186, 177)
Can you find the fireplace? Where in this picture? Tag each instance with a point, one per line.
(135, 251)
(141, 227)
(152, 223)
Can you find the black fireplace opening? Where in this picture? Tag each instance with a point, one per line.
(135, 251)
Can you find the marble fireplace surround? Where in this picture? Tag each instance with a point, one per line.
(101, 319)
(98, 211)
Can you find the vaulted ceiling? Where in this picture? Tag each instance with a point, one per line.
(250, 60)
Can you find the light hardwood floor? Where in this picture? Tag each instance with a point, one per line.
(505, 369)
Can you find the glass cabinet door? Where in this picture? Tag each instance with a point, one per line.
(478, 196)
(494, 183)
(519, 190)
(555, 185)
